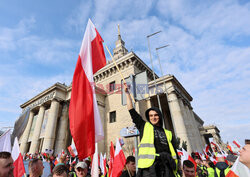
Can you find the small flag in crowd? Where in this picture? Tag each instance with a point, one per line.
(111, 158)
(102, 166)
(72, 150)
(186, 156)
(84, 116)
(105, 164)
(19, 169)
(180, 153)
(119, 160)
(237, 143)
(207, 148)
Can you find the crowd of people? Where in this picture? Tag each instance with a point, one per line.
(67, 166)
(157, 156)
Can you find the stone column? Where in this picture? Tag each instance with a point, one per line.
(189, 127)
(35, 138)
(25, 135)
(197, 135)
(63, 132)
(50, 129)
(178, 119)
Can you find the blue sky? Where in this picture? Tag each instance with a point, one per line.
(209, 50)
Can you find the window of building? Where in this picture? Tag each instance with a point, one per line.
(112, 86)
(112, 117)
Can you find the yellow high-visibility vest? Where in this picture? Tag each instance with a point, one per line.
(210, 171)
(147, 152)
(225, 171)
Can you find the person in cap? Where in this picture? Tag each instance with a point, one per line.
(231, 159)
(81, 169)
(6, 164)
(157, 152)
(130, 167)
(245, 154)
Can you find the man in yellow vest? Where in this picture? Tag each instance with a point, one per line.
(157, 153)
(210, 168)
(221, 166)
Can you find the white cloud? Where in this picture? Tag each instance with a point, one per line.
(8, 36)
(219, 18)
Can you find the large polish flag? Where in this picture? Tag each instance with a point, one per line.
(85, 123)
(119, 160)
(19, 169)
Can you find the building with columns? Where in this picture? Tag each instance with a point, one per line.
(48, 124)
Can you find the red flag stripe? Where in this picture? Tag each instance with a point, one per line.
(231, 174)
(236, 143)
(111, 158)
(19, 167)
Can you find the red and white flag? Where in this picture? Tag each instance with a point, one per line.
(105, 165)
(56, 160)
(85, 122)
(207, 148)
(237, 143)
(72, 150)
(238, 170)
(180, 153)
(5, 143)
(213, 160)
(19, 169)
(102, 163)
(119, 160)
(186, 156)
(111, 158)
(204, 152)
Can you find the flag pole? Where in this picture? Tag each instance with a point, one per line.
(119, 71)
(128, 170)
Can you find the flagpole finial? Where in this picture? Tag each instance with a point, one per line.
(119, 33)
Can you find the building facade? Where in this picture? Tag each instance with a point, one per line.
(48, 124)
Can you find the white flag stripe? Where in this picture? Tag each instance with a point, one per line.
(94, 168)
(15, 151)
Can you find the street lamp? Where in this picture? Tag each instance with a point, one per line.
(164, 83)
(158, 98)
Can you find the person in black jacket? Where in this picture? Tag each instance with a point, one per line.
(164, 163)
(130, 167)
